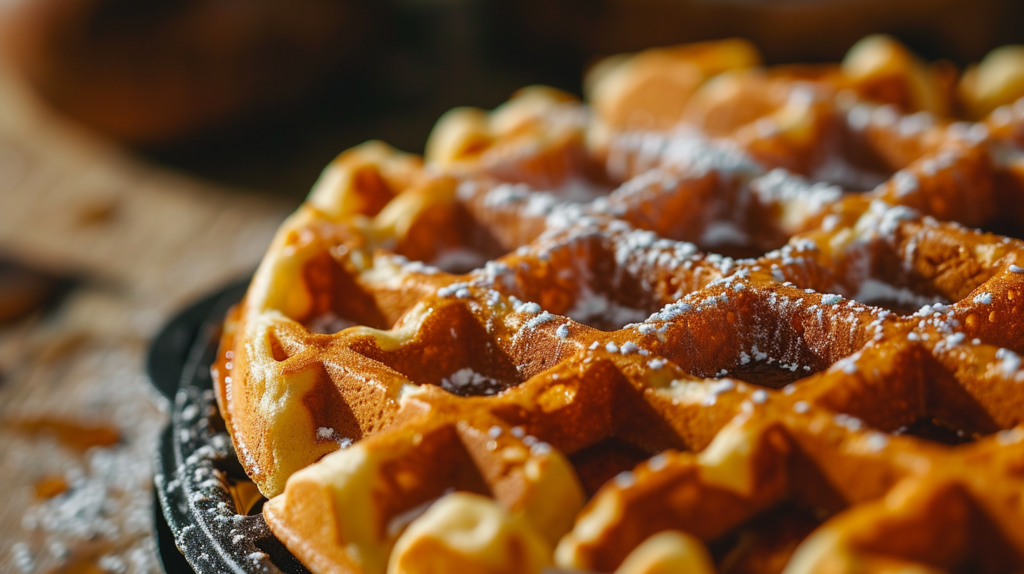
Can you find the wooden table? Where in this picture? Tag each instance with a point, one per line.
(78, 421)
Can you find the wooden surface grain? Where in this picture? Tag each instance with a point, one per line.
(78, 421)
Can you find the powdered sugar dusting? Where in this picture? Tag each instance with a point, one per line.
(468, 382)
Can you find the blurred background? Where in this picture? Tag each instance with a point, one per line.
(150, 148)
(264, 92)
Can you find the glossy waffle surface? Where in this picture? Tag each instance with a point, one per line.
(725, 318)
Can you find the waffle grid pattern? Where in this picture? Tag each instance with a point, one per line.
(596, 392)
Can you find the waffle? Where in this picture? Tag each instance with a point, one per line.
(742, 328)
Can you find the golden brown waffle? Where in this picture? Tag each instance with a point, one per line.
(526, 353)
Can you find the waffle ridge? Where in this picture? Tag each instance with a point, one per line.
(586, 388)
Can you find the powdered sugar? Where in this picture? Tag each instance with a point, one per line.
(904, 183)
(327, 323)
(598, 309)
(873, 291)
(1009, 362)
(468, 382)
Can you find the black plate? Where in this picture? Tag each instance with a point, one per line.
(169, 350)
(197, 526)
